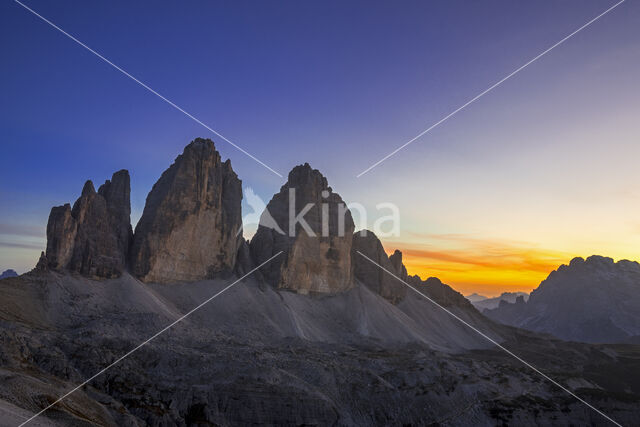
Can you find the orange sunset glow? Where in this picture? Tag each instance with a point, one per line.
(483, 266)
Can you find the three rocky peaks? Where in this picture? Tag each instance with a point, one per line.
(190, 231)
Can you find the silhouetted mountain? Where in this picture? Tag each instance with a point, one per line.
(490, 303)
(8, 273)
(474, 297)
(593, 300)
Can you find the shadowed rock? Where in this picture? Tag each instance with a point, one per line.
(371, 275)
(93, 237)
(188, 229)
(441, 293)
(316, 258)
(594, 300)
(398, 266)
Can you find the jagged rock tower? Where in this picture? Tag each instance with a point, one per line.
(93, 238)
(189, 229)
(318, 261)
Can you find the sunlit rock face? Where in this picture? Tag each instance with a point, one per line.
(366, 243)
(93, 237)
(189, 229)
(316, 254)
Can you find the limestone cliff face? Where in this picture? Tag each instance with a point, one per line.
(317, 254)
(93, 237)
(371, 275)
(188, 229)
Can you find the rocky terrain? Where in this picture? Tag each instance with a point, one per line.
(482, 303)
(259, 355)
(595, 300)
(319, 336)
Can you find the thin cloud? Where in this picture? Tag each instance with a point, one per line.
(22, 230)
(496, 258)
(22, 245)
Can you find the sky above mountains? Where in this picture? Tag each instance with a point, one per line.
(540, 170)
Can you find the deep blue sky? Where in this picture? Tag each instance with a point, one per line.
(337, 84)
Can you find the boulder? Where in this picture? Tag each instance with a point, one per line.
(189, 229)
(314, 233)
(93, 237)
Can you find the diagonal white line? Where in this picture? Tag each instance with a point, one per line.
(490, 88)
(129, 353)
(146, 87)
(493, 341)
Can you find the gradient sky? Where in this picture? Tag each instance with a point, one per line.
(541, 169)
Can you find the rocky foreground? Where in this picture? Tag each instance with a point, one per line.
(258, 355)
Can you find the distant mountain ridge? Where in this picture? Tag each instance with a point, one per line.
(483, 303)
(475, 297)
(595, 300)
(8, 273)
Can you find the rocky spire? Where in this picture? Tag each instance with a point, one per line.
(189, 227)
(371, 275)
(398, 266)
(314, 232)
(93, 237)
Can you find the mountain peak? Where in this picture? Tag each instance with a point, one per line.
(306, 177)
(88, 188)
(188, 229)
(592, 300)
(315, 232)
(92, 238)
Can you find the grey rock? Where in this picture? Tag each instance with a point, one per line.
(43, 263)
(366, 243)
(93, 237)
(188, 229)
(441, 293)
(245, 264)
(398, 266)
(280, 358)
(317, 260)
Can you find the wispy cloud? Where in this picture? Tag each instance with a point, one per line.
(22, 230)
(469, 262)
(514, 260)
(22, 245)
